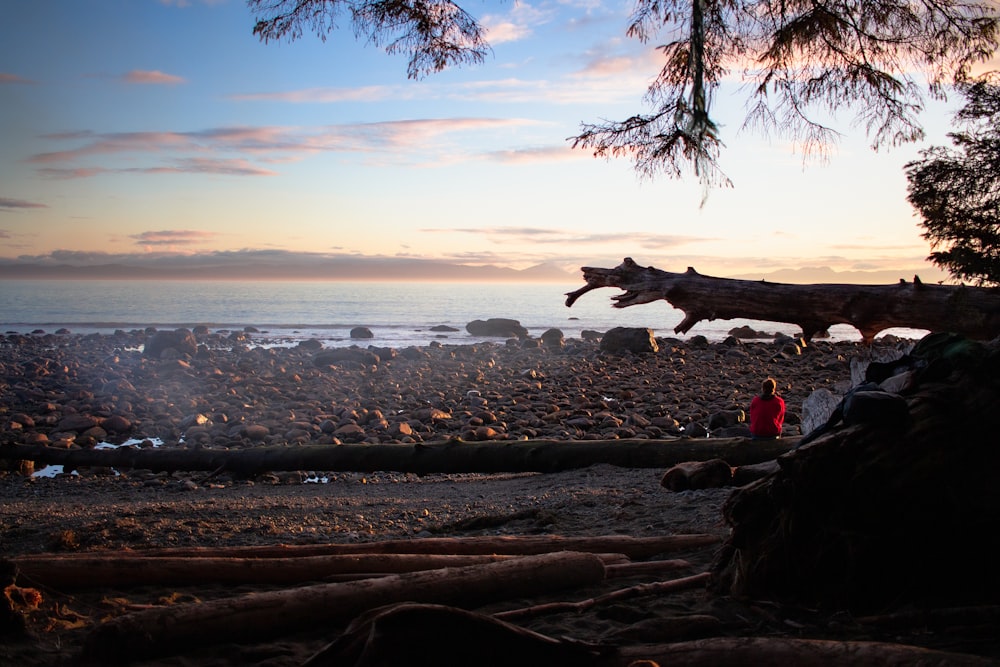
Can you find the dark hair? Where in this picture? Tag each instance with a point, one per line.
(768, 387)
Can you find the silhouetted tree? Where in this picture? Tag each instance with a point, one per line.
(800, 60)
(957, 191)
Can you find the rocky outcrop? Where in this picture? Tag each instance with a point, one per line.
(629, 339)
(181, 341)
(498, 327)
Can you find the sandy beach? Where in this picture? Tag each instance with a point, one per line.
(77, 391)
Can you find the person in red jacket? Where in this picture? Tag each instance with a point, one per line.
(767, 411)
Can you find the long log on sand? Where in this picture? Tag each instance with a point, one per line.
(178, 628)
(971, 311)
(95, 570)
(453, 456)
(636, 548)
(740, 651)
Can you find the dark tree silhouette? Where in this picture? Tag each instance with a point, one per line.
(801, 61)
(957, 191)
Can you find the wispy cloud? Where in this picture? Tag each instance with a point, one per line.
(173, 237)
(327, 95)
(212, 150)
(152, 77)
(8, 204)
(571, 237)
(6, 77)
(537, 155)
(515, 25)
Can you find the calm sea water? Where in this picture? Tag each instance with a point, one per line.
(399, 314)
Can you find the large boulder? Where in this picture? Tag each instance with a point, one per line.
(629, 339)
(181, 341)
(498, 327)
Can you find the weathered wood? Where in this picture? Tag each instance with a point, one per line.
(971, 311)
(177, 628)
(656, 588)
(616, 570)
(111, 570)
(453, 456)
(741, 651)
(637, 548)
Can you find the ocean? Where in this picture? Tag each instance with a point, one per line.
(398, 314)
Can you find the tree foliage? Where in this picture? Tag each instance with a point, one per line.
(957, 190)
(801, 61)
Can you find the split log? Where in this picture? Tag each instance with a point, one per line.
(94, 571)
(453, 456)
(656, 588)
(620, 570)
(740, 651)
(637, 548)
(258, 615)
(971, 311)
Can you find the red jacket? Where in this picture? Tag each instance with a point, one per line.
(766, 416)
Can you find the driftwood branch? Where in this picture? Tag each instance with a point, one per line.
(971, 311)
(453, 456)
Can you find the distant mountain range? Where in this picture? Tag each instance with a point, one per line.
(284, 268)
(282, 265)
(824, 274)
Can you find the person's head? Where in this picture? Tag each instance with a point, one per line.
(768, 387)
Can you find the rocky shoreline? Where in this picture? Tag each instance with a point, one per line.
(64, 390)
(79, 391)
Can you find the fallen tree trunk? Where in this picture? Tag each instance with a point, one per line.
(971, 311)
(637, 548)
(177, 628)
(453, 456)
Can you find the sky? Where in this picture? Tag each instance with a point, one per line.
(164, 132)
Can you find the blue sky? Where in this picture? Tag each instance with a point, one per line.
(136, 129)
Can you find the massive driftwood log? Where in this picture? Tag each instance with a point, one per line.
(453, 456)
(510, 545)
(971, 311)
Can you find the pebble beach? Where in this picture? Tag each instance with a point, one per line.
(239, 391)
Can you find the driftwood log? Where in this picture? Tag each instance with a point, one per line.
(971, 311)
(454, 456)
(509, 545)
(96, 570)
(740, 651)
(425, 635)
(174, 629)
